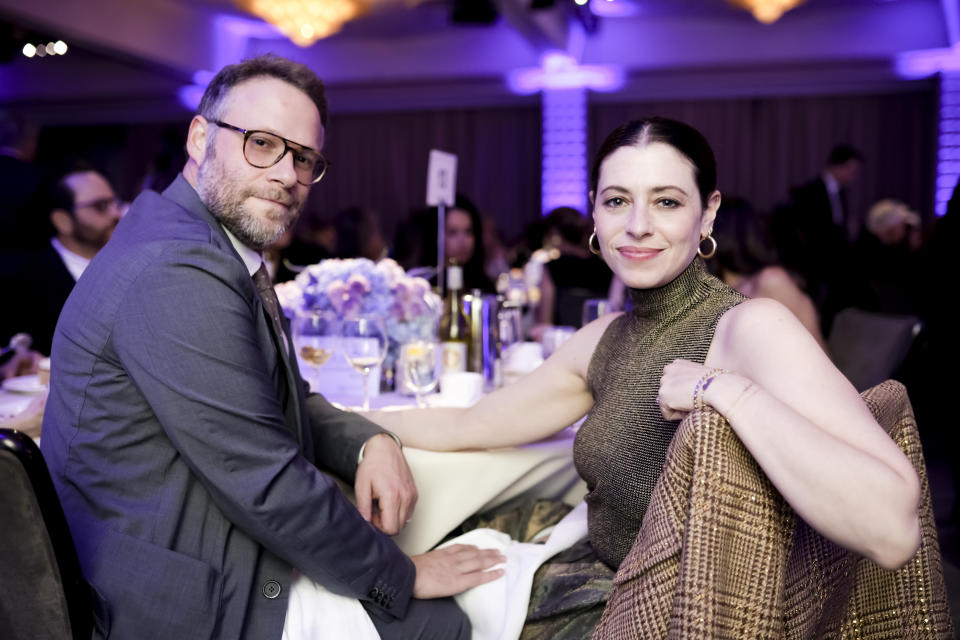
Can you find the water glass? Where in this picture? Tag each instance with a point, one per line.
(314, 340)
(363, 341)
(419, 366)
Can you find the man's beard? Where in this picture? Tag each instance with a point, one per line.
(225, 197)
(95, 239)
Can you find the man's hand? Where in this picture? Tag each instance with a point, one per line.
(385, 491)
(448, 571)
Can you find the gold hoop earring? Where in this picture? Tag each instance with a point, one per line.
(713, 248)
(593, 241)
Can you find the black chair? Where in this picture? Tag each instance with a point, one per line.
(42, 592)
(869, 347)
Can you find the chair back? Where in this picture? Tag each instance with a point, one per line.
(869, 347)
(42, 592)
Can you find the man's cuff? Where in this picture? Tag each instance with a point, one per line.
(363, 447)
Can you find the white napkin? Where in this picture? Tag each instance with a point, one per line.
(314, 612)
(498, 609)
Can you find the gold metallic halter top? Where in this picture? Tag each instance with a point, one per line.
(621, 447)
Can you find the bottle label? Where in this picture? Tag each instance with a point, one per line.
(453, 356)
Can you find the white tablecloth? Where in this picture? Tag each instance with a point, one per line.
(12, 403)
(455, 485)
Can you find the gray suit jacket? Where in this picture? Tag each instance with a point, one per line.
(185, 449)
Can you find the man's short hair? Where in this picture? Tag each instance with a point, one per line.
(294, 73)
(60, 195)
(842, 154)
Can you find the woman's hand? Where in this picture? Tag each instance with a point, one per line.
(683, 387)
(679, 379)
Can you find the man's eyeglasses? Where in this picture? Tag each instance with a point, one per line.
(263, 149)
(100, 205)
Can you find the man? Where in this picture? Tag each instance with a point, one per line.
(83, 211)
(815, 232)
(183, 445)
(22, 185)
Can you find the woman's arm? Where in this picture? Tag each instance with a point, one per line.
(538, 405)
(808, 429)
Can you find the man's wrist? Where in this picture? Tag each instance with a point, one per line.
(363, 447)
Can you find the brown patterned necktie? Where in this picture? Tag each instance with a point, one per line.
(269, 297)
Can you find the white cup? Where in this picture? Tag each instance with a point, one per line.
(43, 371)
(461, 388)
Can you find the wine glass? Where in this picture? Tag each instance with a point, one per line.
(314, 340)
(419, 360)
(363, 341)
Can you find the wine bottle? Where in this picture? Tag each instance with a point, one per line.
(453, 332)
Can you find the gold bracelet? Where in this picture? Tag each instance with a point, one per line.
(702, 385)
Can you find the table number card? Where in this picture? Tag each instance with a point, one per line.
(441, 178)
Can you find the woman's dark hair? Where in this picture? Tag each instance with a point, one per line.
(743, 243)
(416, 243)
(682, 137)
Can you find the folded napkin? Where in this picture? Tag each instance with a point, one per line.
(497, 610)
(314, 612)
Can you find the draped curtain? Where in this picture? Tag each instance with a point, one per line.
(379, 161)
(766, 145)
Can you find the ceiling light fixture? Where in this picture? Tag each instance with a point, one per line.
(305, 21)
(767, 11)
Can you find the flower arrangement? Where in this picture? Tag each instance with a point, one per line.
(353, 286)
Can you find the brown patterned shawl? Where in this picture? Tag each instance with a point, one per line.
(721, 555)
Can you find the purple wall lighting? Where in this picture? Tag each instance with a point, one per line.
(231, 36)
(557, 70)
(564, 84)
(948, 146)
(613, 8)
(564, 179)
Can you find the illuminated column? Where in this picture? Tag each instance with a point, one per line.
(563, 182)
(564, 84)
(948, 141)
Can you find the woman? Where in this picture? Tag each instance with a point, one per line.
(654, 200)
(416, 242)
(745, 261)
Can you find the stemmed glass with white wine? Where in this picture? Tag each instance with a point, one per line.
(419, 360)
(314, 339)
(363, 341)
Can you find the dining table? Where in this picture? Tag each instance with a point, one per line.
(14, 398)
(454, 485)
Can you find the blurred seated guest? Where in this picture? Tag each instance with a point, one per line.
(574, 274)
(313, 240)
(746, 261)
(888, 259)
(359, 235)
(83, 210)
(416, 242)
(497, 261)
(22, 185)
